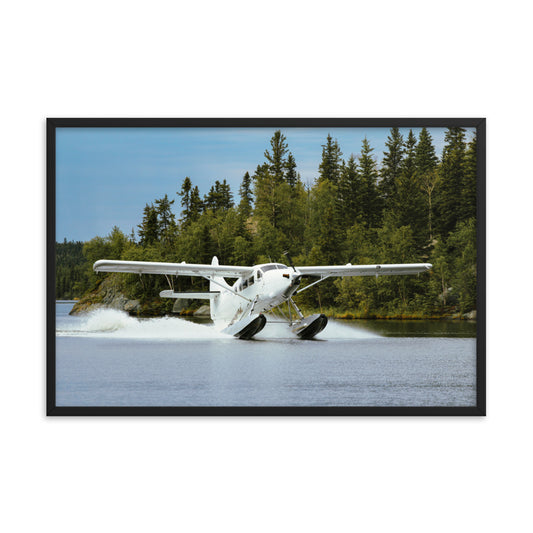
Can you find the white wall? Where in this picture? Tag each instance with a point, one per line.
(265, 59)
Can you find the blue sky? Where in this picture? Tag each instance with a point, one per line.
(105, 176)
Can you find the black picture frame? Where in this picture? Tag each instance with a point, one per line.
(53, 410)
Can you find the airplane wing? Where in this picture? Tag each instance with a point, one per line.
(364, 270)
(171, 269)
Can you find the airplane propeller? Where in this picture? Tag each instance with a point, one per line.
(289, 258)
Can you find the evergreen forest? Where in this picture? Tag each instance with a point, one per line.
(415, 206)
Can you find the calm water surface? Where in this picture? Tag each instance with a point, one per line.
(107, 358)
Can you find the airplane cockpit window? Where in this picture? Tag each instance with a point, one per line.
(273, 266)
(258, 274)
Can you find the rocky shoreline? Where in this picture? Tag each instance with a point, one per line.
(109, 294)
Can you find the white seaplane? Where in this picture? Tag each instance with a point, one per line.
(238, 309)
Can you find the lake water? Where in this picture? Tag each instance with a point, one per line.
(107, 358)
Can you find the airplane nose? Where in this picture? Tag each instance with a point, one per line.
(294, 279)
(294, 282)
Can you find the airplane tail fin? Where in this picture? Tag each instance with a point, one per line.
(218, 279)
(220, 283)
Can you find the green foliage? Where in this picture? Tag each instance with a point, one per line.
(291, 176)
(166, 222)
(388, 244)
(414, 208)
(448, 203)
(391, 164)
(280, 202)
(219, 198)
(185, 194)
(324, 222)
(462, 252)
(246, 194)
(149, 229)
(72, 278)
(196, 205)
(468, 196)
(370, 201)
(425, 158)
(329, 168)
(110, 247)
(427, 176)
(243, 253)
(142, 287)
(276, 161)
(408, 205)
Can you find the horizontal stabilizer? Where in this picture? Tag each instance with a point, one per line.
(190, 295)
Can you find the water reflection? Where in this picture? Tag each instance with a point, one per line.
(417, 328)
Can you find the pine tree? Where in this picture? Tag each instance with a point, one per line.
(245, 192)
(117, 242)
(185, 194)
(425, 157)
(407, 204)
(462, 250)
(165, 216)
(266, 205)
(226, 196)
(350, 193)
(166, 220)
(279, 207)
(291, 176)
(149, 229)
(323, 232)
(448, 200)
(276, 159)
(267, 179)
(219, 198)
(469, 197)
(292, 203)
(428, 182)
(409, 207)
(391, 164)
(329, 168)
(408, 165)
(196, 206)
(212, 198)
(426, 164)
(368, 173)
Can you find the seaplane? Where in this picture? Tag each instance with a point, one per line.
(239, 309)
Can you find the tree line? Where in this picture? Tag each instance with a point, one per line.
(413, 207)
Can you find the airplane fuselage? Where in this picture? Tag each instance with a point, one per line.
(268, 286)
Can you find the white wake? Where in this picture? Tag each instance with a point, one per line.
(112, 323)
(334, 330)
(118, 324)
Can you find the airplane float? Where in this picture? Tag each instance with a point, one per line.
(238, 309)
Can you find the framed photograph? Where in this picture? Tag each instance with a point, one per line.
(266, 266)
